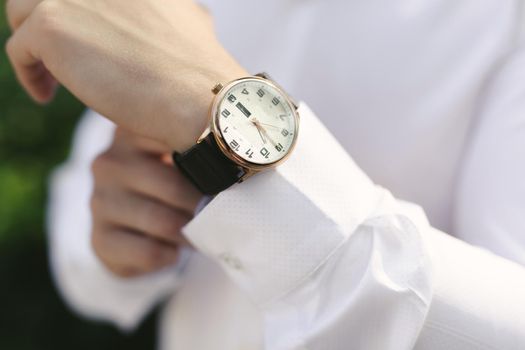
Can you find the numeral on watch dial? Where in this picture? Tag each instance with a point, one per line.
(225, 113)
(265, 152)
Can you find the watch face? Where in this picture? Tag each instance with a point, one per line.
(257, 121)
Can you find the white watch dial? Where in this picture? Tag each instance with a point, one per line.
(257, 122)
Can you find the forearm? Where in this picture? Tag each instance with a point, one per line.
(330, 259)
(316, 249)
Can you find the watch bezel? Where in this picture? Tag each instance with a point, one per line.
(217, 133)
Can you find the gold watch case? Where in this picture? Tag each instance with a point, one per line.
(220, 91)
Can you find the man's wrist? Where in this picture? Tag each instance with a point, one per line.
(191, 110)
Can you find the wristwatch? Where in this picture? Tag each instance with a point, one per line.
(253, 127)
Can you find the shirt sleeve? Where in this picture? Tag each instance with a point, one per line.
(490, 199)
(85, 284)
(324, 252)
(334, 261)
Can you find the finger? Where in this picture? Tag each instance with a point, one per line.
(149, 177)
(128, 253)
(29, 69)
(168, 185)
(18, 10)
(138, 213)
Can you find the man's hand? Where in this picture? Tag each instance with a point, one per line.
(139, 205)
(147, 65)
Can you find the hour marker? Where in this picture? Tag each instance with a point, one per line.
(235, 145)
(225, 130)
(285, 132)
(245, 92)
(275, 101)
(282, 116)
(260, 92)
(279, 147)
(225, 113)
(232, 98)
(249, 153)
(265, 152)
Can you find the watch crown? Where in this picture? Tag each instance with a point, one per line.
(263, 75)
(218, 87)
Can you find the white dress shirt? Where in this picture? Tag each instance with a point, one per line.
(413, 101)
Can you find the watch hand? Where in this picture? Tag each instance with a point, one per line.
(262, 137)
(264, 132)
(270, 125)
(255, 122)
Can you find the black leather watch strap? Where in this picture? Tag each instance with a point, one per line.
(207, 167)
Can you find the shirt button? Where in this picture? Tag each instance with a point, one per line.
(231, 261)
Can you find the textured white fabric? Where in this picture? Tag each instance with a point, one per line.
(477, 299)
(420, 94)
(302, 216)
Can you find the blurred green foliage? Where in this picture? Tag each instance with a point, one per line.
(33, 140)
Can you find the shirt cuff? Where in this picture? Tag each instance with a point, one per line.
(274, 230)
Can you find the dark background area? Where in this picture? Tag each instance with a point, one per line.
(33, 140)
